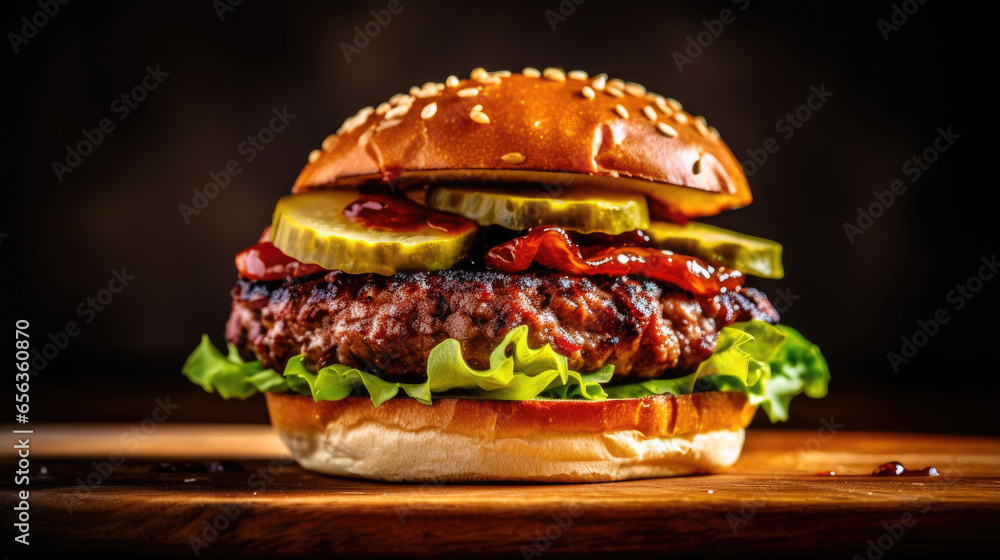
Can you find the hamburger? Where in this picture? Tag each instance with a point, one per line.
(500, 278)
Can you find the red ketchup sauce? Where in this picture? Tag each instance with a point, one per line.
(552, 247)
(895, 468)
(389, 213)
(266, 262)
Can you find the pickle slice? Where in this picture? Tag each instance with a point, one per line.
(746, 253)
(513, 208)
(313, 228)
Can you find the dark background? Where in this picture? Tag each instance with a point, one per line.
(119, 207)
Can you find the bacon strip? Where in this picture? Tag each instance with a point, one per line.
(552, 247)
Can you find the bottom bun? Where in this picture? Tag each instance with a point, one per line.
(537, 440)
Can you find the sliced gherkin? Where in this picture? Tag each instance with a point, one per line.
(512, 208)
(313, 228)
(746, 253)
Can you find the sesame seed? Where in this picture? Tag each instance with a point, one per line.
(513, 157)
(674, 104)
(666, 129)
(577, 75)
(616, 83)
(661, 102)
(397, 112)
(530, 72)
(468, 92)
(401, 99)
(383, 108)
(701, 125)
(649, 112)
(366, 136)
(477, 109)
(414, 91)
(428, 90)
(555, 74)
(599, 82)
(621, 111)
(451, 81)
(314, 155)
(357, 120)
(429, 110)
(588, 92)
(614, 92)
(478, 73)
(697, 166)
(714, 132)
(329, 141)
(480, 117)
(487, 79)
(500, 74)
(388, 123)
(635, 89)
(429, 85)
(681, 117)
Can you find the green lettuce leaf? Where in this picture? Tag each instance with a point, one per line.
(525, 374)
(229, 375)
(769, 364)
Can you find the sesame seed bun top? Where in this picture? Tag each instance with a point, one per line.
(546, 127)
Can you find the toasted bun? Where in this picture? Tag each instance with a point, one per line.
(537, 440)
(551, 128)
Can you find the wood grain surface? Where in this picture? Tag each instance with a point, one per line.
(230, 490)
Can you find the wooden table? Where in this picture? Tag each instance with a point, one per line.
(101, 490)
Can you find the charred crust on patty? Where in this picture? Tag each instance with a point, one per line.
(388, 325)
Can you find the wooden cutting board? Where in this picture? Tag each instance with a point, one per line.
(233, 490)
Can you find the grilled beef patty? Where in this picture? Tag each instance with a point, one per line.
(389, 324)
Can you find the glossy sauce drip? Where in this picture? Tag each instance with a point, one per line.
(552, 247)
(389, 213)
(169, 467)
(265, 262)
(895, 468)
